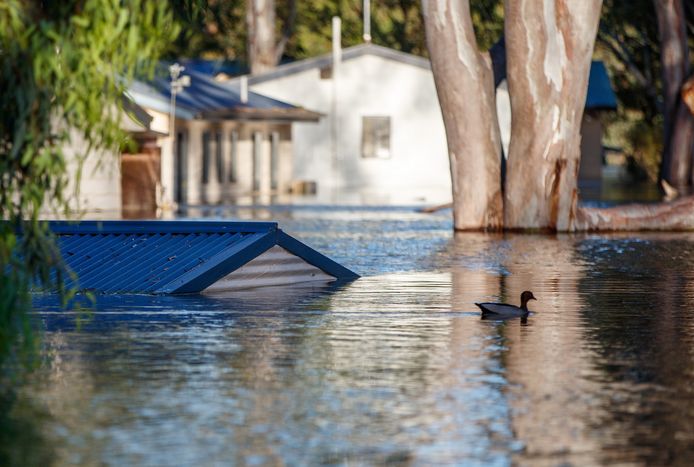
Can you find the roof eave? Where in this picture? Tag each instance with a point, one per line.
(293, 114)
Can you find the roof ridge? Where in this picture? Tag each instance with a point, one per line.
(324, 60)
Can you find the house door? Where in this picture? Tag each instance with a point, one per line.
(181, 168)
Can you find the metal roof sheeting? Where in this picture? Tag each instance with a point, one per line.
(171, 256)
(207, 99)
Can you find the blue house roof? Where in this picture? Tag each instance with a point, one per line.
(600, 94)
(207, 99)
(213, 67)
(172, 256)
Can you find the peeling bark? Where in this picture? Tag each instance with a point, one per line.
(549, 48)
(688, 94)
(672, 216)
(465, 87)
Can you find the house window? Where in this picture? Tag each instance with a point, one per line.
(206, 153)
(375, 137)
(220, 157)
(326, 72)
(233, 176)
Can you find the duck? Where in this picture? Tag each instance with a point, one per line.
(504, 310)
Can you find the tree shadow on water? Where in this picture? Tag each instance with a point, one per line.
(22, 440)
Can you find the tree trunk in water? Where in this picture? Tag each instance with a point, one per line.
(549, 49)
(675, 215)
(465, 87)
(678, 129)
(260, 20)
(549, 46)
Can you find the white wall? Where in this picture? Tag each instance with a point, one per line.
(418, 169)
(99, 194)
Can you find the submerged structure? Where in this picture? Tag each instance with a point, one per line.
(175, 257)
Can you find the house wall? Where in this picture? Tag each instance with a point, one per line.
(99, 189)
(160, 124)
(417, 169)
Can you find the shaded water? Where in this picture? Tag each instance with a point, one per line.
(396, 367)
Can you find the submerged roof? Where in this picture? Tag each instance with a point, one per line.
(207, 99)
(174, 256)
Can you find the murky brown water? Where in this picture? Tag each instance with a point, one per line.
(396, 367)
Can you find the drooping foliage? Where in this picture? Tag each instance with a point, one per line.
(63, 70)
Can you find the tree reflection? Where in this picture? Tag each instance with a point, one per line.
(543, 358)
(640, 326)
(22, 441)
(602, 372)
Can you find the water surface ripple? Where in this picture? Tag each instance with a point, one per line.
(395, 368)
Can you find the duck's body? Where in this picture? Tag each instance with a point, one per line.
(504, 310)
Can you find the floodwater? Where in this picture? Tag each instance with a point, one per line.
(395, 368)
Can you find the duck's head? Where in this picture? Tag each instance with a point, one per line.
(525, 298)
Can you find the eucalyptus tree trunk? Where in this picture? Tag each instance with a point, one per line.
(465, 88)
(676, 215)
(549, 45)
(676, 167)
(260, 21)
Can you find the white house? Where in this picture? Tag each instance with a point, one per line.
(382, 139)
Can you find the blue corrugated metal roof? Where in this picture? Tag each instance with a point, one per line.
(600, 94)
(206, 98)
(171, 256)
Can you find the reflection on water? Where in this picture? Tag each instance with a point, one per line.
(396, 367)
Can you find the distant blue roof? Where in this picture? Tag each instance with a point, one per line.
(207, 99)
(215, 66)
(600, 94)
(172, 256)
